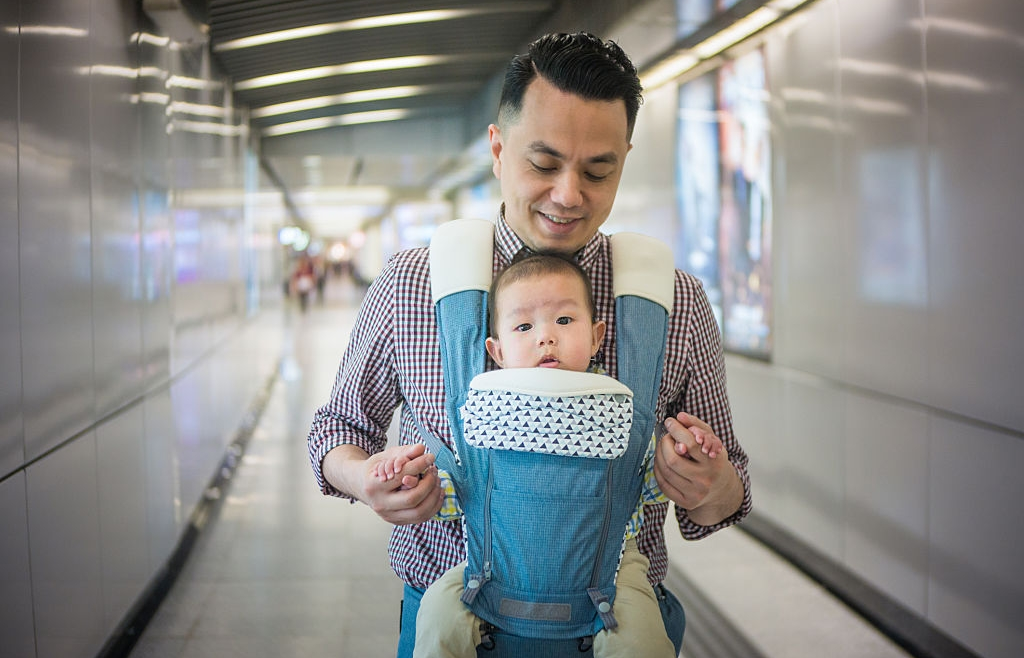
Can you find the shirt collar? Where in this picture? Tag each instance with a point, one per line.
(508, 245)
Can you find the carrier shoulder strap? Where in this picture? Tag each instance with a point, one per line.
(461, 269)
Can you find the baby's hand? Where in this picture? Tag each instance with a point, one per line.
(381, 470)
(710, 444)
(388, 468)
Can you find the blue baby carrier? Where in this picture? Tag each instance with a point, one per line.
(547, 584)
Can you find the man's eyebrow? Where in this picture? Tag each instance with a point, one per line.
(541, 147)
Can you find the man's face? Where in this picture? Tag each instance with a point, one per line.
(559, 166)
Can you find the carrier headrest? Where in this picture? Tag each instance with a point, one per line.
(643, 266)
(461, 257)
(549, 382)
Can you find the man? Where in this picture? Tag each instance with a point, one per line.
(565, 120)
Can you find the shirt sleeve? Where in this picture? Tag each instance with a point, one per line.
(704, 394)
(365, 393)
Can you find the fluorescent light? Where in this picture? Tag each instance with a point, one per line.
(411, 61)
(151, 39)
(151, 97)
(669, 69)
(735, 33)
(185, 82)
(330, 122)
(371, 22)
(338, 99)
(48, 30)
(224, 130)
(361, 96)
(199, 109)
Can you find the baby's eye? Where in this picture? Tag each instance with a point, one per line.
(565, 319)
(526, 326)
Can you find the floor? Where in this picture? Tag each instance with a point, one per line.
(282, 571)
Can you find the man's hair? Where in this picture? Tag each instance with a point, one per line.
(533, 265)
(578, 63)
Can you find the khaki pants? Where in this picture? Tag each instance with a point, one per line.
(445, 628)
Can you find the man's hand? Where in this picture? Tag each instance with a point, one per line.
(413, 496)
(708, 488)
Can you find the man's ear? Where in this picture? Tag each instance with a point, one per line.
(599, 329)
(494, 135)
(494, 349)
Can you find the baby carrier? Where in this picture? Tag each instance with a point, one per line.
(546, 581)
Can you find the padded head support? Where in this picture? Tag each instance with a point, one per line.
(461, 257)
(643, 266)
(548, 382)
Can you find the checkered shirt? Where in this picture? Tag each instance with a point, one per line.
(393, 359)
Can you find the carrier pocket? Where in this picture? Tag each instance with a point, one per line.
(545, 543)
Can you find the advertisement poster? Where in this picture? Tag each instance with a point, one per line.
(725, 198)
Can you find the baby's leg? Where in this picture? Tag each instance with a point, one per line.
(445, 627)
(641, 631)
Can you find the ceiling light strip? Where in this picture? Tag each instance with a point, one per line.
(361, 96)
(371, 22)
(330, 122)
(367, 66)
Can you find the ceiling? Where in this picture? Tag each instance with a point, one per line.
(470, 47)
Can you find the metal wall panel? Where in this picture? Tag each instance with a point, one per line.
(15, 577)
(886, 497)
(977, 583)
(64, 531)
(809, 332)
(56, 249)
(812, 460)
(648, 200)
(165, 515)
(12, 445)
(975, 100)
(121, 447)
(882, 196)
(117, 284)
(157, 265)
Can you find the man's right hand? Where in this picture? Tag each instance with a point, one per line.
(414, 497)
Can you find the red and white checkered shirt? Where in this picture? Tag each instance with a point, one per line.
(392, 359)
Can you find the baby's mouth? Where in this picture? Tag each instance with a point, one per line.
(548, 362)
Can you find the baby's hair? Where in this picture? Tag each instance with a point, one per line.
(533, 265)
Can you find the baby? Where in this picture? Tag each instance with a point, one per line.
(543, 316)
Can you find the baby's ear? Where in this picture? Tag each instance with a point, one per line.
(494, 349)
(599, 329)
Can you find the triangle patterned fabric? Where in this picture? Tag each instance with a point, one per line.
(589, 425)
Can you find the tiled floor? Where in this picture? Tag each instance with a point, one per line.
(283, 571)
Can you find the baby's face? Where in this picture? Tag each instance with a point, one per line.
(544, 321)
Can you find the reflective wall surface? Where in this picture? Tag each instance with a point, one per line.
(887, 429)
(131, 335)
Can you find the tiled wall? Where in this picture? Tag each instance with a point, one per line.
(131, 338)
(888, 428)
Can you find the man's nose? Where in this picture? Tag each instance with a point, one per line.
(567, 191)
